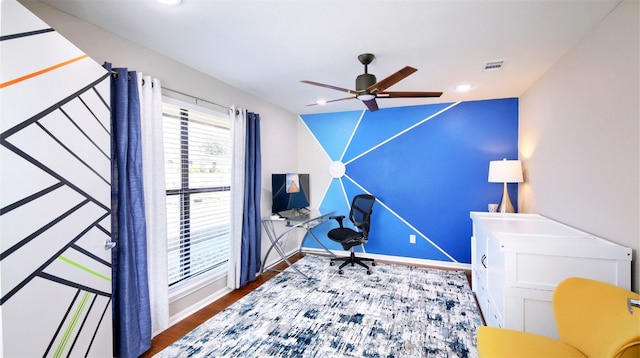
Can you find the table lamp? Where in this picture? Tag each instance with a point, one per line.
(505, 171)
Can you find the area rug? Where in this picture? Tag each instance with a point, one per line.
(397, 311)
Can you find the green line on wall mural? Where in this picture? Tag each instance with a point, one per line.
(83, 268)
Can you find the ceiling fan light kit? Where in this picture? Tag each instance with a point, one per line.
(368, 89)
(366, 96)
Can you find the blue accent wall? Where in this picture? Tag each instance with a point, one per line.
(426, 165)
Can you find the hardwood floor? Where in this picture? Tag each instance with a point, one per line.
(183, 327)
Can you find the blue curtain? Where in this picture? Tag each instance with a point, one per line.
(131, 309)
(251, 229)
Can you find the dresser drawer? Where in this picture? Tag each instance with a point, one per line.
(493, 317)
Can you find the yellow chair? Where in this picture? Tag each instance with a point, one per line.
(594, 319)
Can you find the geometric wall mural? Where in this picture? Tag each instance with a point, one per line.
(426, 165)
(55, 203)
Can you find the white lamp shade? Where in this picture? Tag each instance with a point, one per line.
(505, 171)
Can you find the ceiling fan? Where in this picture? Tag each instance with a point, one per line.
(367, 89)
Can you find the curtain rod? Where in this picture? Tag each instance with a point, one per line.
(198, 99)
(185, 94)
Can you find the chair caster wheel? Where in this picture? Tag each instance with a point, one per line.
(368, 272)
(373, 263)
(340, 272)
(331, 263)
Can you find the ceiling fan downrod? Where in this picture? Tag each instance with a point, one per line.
(365, 80)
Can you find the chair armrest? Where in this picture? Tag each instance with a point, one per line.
(337, 218)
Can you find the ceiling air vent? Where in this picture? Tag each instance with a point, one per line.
(493, 65)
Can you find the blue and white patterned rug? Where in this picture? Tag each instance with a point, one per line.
(398, 311)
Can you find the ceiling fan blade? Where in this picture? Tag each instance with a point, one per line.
(329, 86)
(333, 100)
(408, 94)
(371, 104)
(391, 80)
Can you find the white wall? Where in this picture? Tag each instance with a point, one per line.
(279, 133)
(579, 136)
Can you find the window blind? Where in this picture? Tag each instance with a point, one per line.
(197, 148)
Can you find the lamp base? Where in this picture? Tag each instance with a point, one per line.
(505, 204)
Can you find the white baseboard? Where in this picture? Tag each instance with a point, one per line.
(394, 259)
(198, 306)
(278, 260)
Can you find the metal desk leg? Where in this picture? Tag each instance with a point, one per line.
(284, 257)
(270, 229)
(318, 242)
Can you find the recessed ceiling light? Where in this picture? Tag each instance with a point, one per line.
(321, 101)
(463, 87)
(170, 2)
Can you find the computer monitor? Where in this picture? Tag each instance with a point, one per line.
(290, 191)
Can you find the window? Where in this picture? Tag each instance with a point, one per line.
(197, 149)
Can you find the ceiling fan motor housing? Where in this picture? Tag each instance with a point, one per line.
(364, 81)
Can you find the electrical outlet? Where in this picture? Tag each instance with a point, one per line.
(412, 239)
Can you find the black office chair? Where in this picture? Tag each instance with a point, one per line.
(361, 208)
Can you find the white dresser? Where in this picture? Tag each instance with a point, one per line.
(518, 259)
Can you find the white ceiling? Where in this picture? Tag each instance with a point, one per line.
(266, 47)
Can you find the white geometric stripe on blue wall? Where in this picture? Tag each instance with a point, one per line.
(333, 130)
(427, 166)
(377, 127)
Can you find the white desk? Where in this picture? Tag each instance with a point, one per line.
(306, 222)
